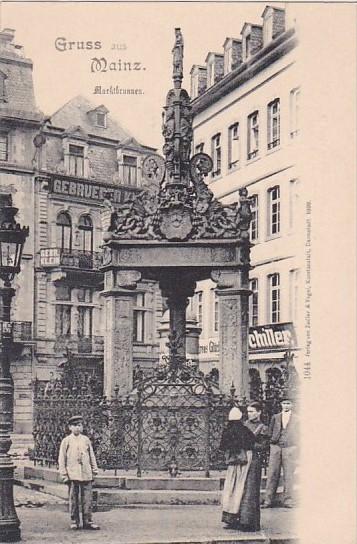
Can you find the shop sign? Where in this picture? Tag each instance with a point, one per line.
(211, 346)
(50, 256)
(5, 330)
(278, 336)
(90, 191)
(266, 338)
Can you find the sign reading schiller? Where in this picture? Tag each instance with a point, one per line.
(266, 338)
(90, 191)
(272, 337)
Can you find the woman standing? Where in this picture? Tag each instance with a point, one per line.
(237, 442)
(250, 506)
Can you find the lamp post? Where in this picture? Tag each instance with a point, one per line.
(12, 239)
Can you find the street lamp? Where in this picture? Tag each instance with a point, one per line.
(12, 239)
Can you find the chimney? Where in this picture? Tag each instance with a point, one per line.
(7, 35)
(6, 38)
(233, 55)
(273, 23)
(198, 80)
(215, 68)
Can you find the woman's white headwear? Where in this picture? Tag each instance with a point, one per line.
(235, 414)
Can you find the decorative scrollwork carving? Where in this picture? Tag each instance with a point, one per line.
(201, 165)
(153, 169)
(184, 207)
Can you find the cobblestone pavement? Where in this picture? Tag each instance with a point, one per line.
(49, 523)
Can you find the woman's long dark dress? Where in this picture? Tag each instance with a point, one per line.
(249, 513)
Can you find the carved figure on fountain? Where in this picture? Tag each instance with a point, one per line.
(177, 55)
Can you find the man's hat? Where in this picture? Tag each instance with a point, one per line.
(75, 419)
(286, 396)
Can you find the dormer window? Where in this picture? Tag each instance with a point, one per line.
(252, 36)
(130, 170)
(215, 68)
(232, 54)
(98, 116)
(198, 80)
(268, 28)
(76, 160)
(273, 23)
(210, 74)
(247, 43)
(101, 119)
(228, 60)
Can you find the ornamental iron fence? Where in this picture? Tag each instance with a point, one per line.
(173, 416)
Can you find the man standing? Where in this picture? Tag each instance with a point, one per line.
(284, 437)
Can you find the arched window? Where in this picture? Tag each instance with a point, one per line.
(85, 227)
(64, 231)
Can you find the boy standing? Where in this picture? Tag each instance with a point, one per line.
(77, 467)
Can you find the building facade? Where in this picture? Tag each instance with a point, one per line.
(84, 158)
(246, 116)
(60, 170)
(20, 120)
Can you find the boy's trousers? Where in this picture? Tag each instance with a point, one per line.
(80, 492)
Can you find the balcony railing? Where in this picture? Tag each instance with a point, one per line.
(84, 260)
(20, 331)
(80, 344)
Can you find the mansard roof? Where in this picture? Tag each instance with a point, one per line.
(75, 113)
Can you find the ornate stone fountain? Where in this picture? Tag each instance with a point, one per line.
(177, 233)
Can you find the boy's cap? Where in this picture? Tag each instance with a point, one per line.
(75, 419)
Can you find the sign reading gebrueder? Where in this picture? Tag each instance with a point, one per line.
(263, 339)
(91, 191)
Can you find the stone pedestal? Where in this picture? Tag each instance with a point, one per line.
(233, 296)
(119, 322)
(118, 347)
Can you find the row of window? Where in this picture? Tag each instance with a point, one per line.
(273, 203)
(64, 310)
(214, 306)
(65, 306)
(128, 169)
(274, 298)
(64, 235)
(253, 135)
(273, 312)
(273, 215)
